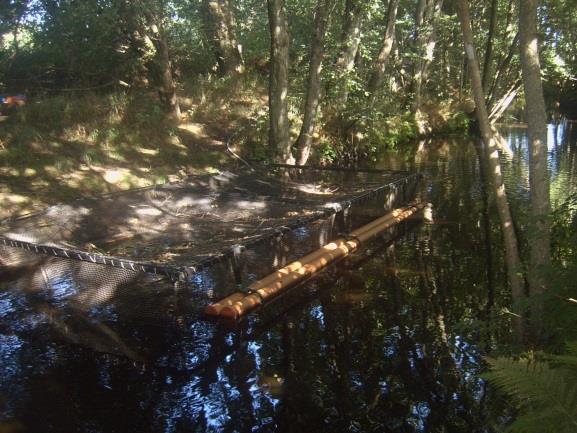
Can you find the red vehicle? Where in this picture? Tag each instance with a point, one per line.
(10, 102)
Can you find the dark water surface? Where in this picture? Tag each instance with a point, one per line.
(391, 340)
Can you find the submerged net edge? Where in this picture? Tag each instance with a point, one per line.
(83, 256)
(342, 169)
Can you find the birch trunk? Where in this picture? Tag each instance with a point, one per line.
(503, 71)
(502, 104)
(428, 12)
(512, 258)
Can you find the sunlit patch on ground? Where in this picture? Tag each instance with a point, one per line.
(65, 148)
(11, 202)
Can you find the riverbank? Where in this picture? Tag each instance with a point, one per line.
(63, 147)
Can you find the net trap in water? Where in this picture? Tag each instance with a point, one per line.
(209, 236)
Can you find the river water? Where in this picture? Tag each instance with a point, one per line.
(392, 340)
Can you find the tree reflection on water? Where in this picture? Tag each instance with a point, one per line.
(392, 340)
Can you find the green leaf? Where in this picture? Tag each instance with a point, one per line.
(546, 395)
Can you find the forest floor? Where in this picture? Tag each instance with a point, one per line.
(56, 149)
(62, 149)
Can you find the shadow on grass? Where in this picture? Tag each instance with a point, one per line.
(69, 147)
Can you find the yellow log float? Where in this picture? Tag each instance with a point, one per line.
(216, 308)
(239, 304)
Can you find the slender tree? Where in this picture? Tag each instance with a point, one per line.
(305, 137)
(426, 19)
(505, 76)
(540, 244)
(512, 257)
(350, 43)
(278, 82)
(494, 12)
(378, 72)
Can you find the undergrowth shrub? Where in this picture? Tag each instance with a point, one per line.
(543, 386)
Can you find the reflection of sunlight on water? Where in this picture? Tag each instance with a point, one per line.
(10, 345)
(420, 412)
(551, 139)
(419, 352)
(104, 312)
(6, 305)
(200, 333)
(62, 289)
(104, 376)
(17, 313)
(10, 371)
(215, 409)
(317, 313)
(189, 405)
(253, 349)
(301, 232)
(556, 133)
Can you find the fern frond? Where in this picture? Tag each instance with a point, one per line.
(571, 348)
(547, 396)
(569, 360)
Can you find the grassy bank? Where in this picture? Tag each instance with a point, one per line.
(67, 146)
(63, 147)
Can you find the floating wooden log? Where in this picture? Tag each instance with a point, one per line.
(239, 304)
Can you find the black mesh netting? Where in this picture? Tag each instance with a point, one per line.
(173, 248)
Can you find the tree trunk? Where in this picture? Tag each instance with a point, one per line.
(15, 44)
(221, 32)
(278, 82)
(503, 59)
(489, 46)
(351, 39)
(540, 243)
(378, 73)
(162, 66)
(305, 138)
(503, 70)
(428, 12)
(502, 104)
(513, 261)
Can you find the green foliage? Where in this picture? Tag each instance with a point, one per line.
(564, 225)
(559, 56)
(544, 388)
(458, 122)
(399, 129)
(328, 153)
(96, 43)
